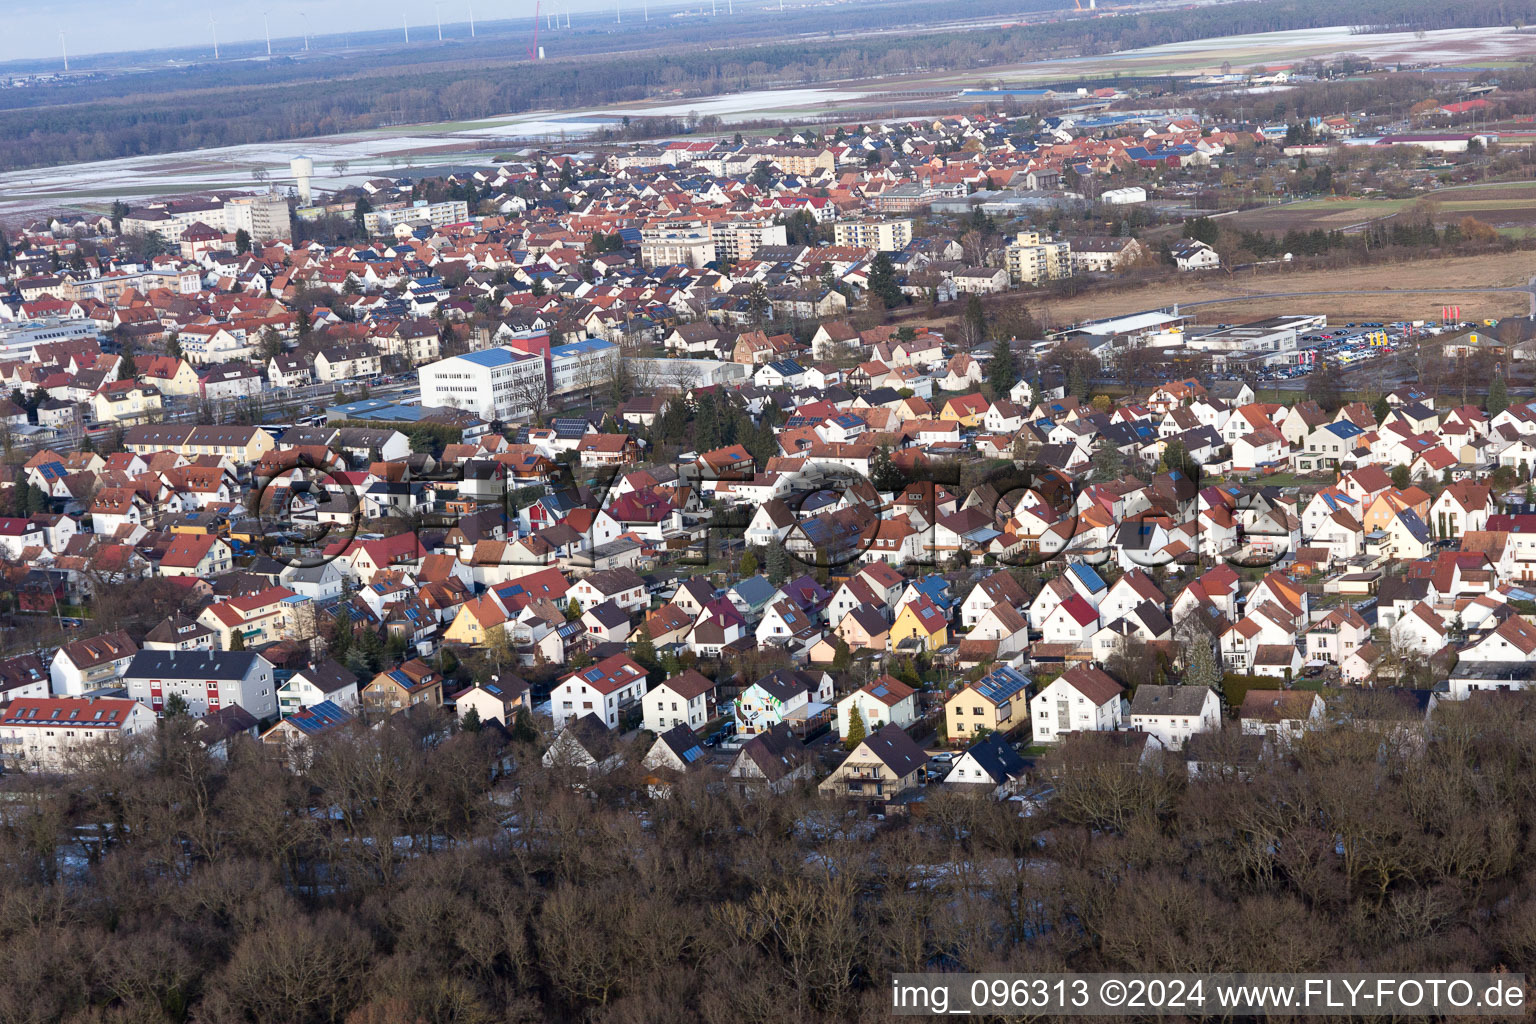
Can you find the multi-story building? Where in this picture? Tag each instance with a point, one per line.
(690, 243)
(885, 235)
(499, 383)
(44, 733)
(385, 218)
(582, 365)
(1032, 258)
(19, 341)
(90, 664)
(264, 217)
(206, 680)
(241, 445)
(740, 240)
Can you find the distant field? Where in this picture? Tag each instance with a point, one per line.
(1365, 293)
(1499, 204)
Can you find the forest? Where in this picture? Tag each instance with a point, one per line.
(393, 881)
(250, 102)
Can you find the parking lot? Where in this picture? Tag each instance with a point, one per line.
(1353, 345)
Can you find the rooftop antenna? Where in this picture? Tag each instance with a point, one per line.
(64, 46)
(266, 30)
(214, 24)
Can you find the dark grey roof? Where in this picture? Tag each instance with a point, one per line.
(189, 664)
(1183, 701)
(995, 755)
(684, 744)
(897, 751)
(776, 752)
(328, 675)
(609, 615)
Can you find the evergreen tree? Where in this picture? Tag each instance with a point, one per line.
(523, 730)
(1077, 380)
(1003, 371)
(1381, 410)
(127, 369)
(1108, 463)
(1498, 396)
(855, 728)
(1400, 477)
(175, 706)
(778, 564)
(242, 241)
(706, 425)
(173, 346)
(885, 474)
(341, 638)
(471, 721)
(1204, 669)
(748, 564)
(371, 648)
(237, 641)
(882, 281)
(643, 650)
(573, 610)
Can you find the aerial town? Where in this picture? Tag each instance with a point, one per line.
(898, 499)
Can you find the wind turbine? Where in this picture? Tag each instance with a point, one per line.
(406, 25)
(305, 16)
(214, 24)
(64, 46)
(471, 21)
(437, 9)
(266, 29)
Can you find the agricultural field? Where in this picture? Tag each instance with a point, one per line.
(1505, 205)
(1412, 290)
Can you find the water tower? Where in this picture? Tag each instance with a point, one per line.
(303, 169)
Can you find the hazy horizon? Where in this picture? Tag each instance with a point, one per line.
(95, 27)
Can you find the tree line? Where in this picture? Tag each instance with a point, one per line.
(198, 108)
(390, 880)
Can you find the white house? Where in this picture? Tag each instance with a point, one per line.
(1083, 699)
(1172, 714)
(881, 702)
(1280, 715)
(682, 700)
(604, 690)
(326, 680)
(90, 664)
